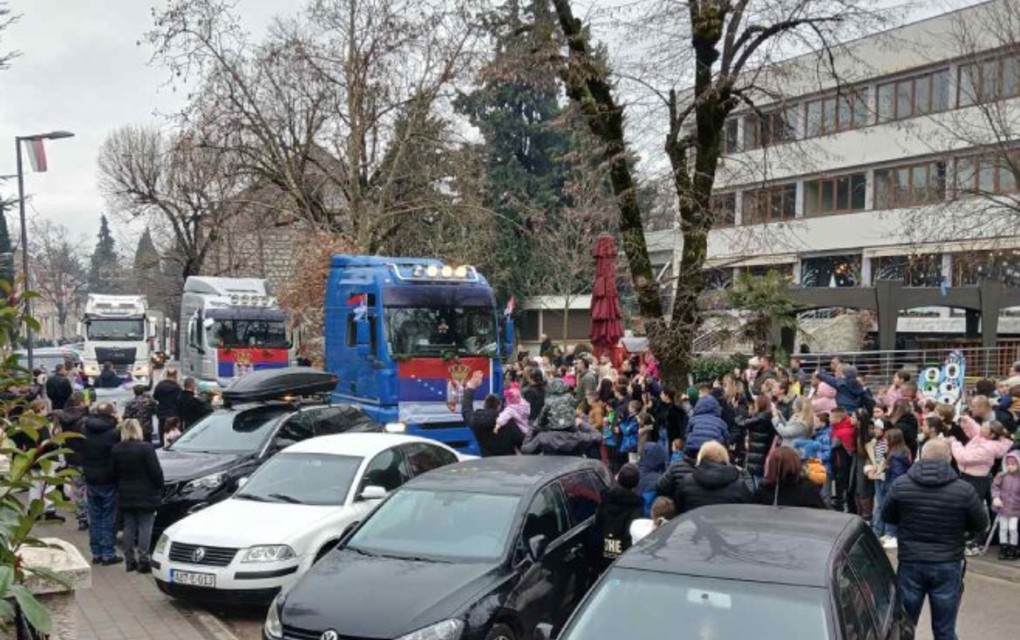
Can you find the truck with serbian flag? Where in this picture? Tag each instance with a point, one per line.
(404, 335)
(230, 327)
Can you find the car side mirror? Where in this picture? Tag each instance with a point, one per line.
(537, 546)
(373, 492)
(543, 631)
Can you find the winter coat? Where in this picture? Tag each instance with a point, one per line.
(934, 511)
(560, 442)
(138, 475)
(629, 434)
(760, 378)
(100, 435)
(1006, 487)
(790, 430)
(670, 481)
(558, 409)
(586, 384)
(908, 424)
(651, 464)
(672, 418)
(192, 408)
(482, 423)
(978, 456)
(824, 399)
(72, 420)
(705, 425)
(58, 390)
(820, 446)
(848, 389)
(515, 414)
(711, 483)
(896, 465)
(534, 395)
(143, 409)
(760, 436)
(618, 508)
(843, 431)
(803, 493)
(167, 393)
(108, 379)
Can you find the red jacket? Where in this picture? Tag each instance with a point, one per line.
(844, 432)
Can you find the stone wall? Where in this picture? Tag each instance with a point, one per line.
(248, 249)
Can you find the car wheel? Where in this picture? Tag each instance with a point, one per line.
(500, 632)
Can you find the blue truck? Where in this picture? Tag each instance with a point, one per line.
(404, 335)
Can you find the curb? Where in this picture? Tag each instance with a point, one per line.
(207, 624)
(989, 568)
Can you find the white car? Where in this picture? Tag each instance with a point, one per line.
(290, 513)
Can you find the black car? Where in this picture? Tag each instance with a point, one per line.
(480, 550)
(204, 465)
(747, 571)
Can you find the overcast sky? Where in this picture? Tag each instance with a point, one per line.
(82, 70)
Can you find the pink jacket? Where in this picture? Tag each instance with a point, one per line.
(978, 456)
(517, 413)
(890, 397)
(824, 399)
(1006, 487)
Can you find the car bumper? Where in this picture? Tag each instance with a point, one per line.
(236, 584)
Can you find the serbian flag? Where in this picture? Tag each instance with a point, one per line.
(357, 300)
(36, 154)
(511, 304)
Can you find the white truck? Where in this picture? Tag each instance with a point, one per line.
(230, 327)
(117, 331)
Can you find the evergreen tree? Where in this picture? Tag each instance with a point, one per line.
(516, 108)
(6, 249)
(104, 272)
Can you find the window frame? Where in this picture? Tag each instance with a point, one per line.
(752, 200)
(932, 106)
(891, 198)
(833, 183)
(852, 97)
(761, 127)
(999, 166)
(978, 64)
(724, 209)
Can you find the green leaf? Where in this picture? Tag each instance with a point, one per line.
(49, 575)
(6, 579)
(34, 611)
(6, 612)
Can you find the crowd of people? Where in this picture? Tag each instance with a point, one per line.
(119, 479)
(931, 479)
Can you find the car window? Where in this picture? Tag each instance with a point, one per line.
(386, 470)
(226, 431)
(583, 496)
(341, 419)
(302, 478)
(422, 457)
(877, 580)
(853, 606)
(297, 427)
(547, 515)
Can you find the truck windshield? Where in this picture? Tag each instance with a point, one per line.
(249, 333)
(120, 329)
(433, 331)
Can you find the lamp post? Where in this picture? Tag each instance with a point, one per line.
(52, 135)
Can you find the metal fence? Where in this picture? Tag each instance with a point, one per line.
(877, 367)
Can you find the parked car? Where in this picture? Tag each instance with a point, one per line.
(205, 464)
(49, 357)
(290, 513)
(483, 549)
(740, 571)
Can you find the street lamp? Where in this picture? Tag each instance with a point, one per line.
(52, 135)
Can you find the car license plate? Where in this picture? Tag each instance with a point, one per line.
(193, 579)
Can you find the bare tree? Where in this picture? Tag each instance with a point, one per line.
(59, 272)
(7, 18)
(720, 50)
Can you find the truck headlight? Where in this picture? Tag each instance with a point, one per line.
(92, 370)
(395, 427)
(445, 630)
(141, 370)
(267, 553)
(209, 482)
(273, 627)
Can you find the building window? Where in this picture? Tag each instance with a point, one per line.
(989, 80)
(717, 279)
(830, 271)
(914, 96)
(762, 270)
(834, 113)
(724, 209)
(988, 174)
(770, 128)
(923, 270)
(730, 136)
(770, 204)
(835, 195)
(972, 267)
(910, 186)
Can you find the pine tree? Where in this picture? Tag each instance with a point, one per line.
(6, 249)
(104, 272)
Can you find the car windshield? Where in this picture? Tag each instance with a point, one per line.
(126, 330)
(704, 607)
(303, 478)
(438, 525)
(249, 333)
(228, 431)
(432, 331)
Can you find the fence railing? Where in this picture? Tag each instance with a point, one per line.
(878, 367)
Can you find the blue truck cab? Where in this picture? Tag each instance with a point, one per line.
(404, 336)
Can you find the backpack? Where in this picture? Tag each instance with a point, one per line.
(815, 471)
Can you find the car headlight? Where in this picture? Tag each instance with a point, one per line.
(267, 553)
(273, 627)
(161, 544)
(209, 482)
(445, 630)
(395, 427)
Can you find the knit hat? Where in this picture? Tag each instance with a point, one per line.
(692, 394)
(628, 476)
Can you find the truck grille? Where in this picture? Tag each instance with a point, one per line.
(211, 556)
(121, 357)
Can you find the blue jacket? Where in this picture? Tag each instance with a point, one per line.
(848, 390)
(823, 450)
(629, 435)
(897, 464)
(706, 424)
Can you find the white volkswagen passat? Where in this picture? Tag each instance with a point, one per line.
(290, 513)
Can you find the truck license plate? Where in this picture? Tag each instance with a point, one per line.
(193, 579)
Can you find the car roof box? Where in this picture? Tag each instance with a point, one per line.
(278, 384)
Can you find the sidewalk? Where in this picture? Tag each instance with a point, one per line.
(128, 606)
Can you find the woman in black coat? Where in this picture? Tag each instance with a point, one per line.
(139, 481)
(785, 484)
(760, 435)
(713, 481)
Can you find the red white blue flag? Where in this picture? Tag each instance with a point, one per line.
(36, 154)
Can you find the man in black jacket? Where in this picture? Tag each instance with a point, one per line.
(168, 395)
(482, 422)
(58, 388)
(935, 511)
(619, 507)
(97, 466)
(191, 406)
(143, 409)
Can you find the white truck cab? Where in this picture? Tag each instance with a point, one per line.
(117, 332)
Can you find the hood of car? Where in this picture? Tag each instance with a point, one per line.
(382, 597)
(245, 523)
(188, 465)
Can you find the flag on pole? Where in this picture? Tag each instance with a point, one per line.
(360, 303)
(511, 304)
(36, 154)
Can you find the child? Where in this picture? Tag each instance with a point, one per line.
(629, 428)
(842, 456)
(663, 510)
(897, 462)
(620, 506)
(676, 450)
(173, 430)
(1006, 502)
